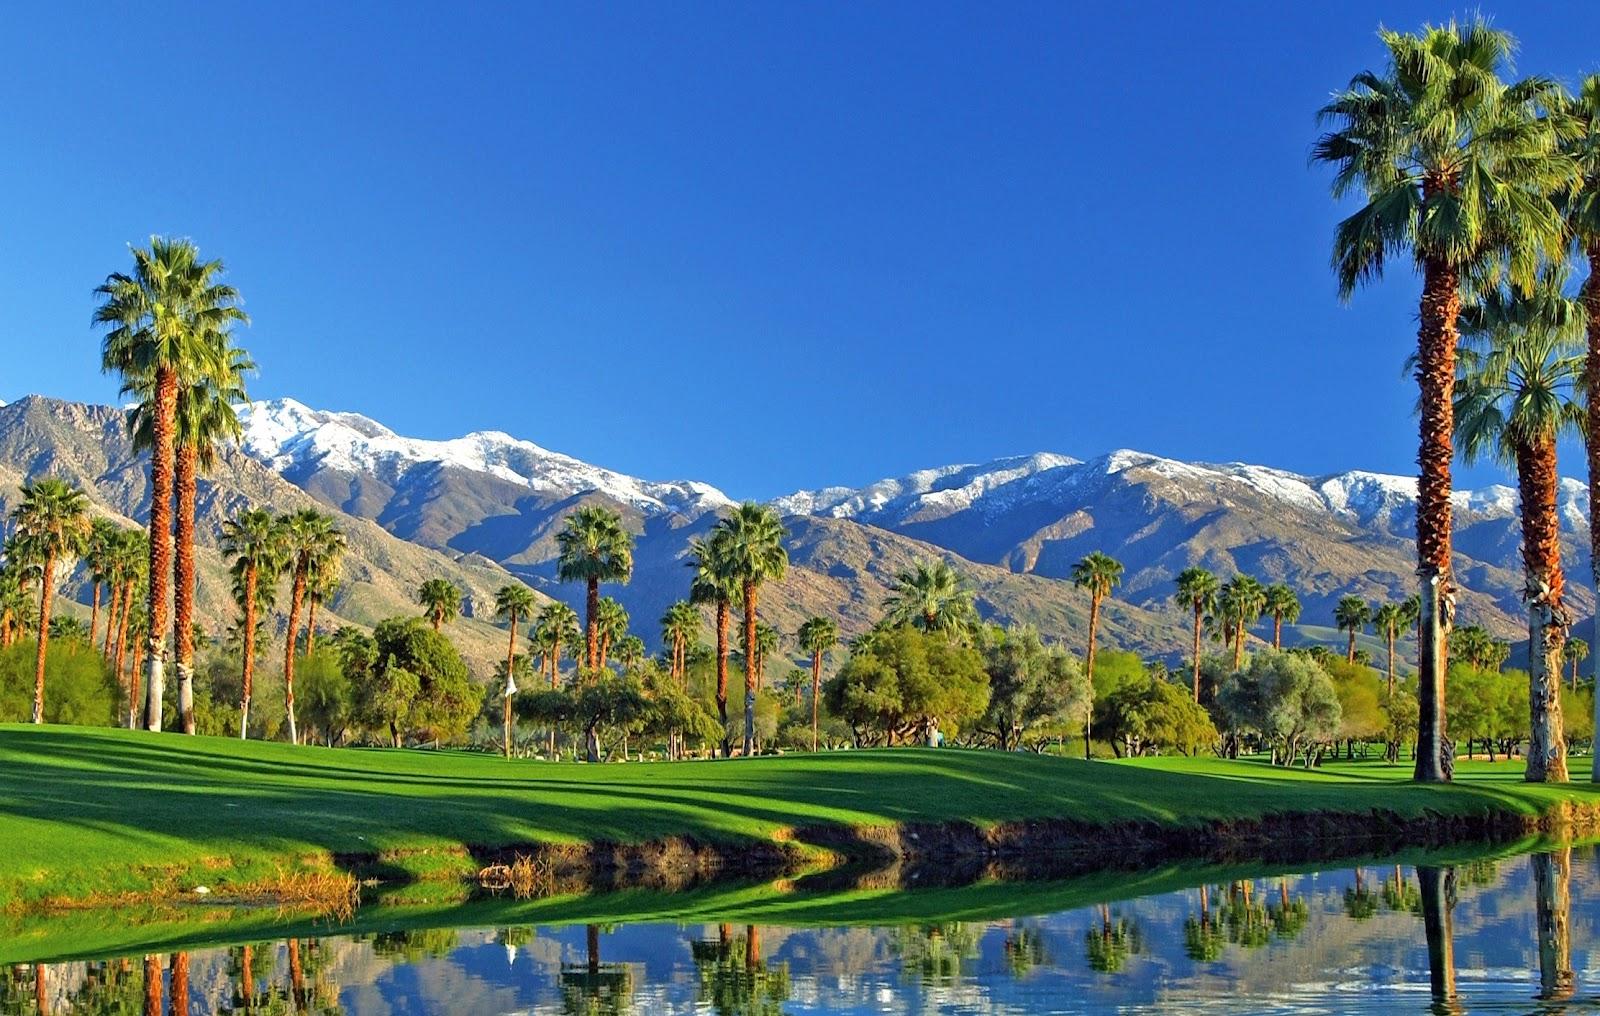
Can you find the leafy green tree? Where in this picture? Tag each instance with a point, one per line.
(53, 517)
(258, 546)
(1197, 590)
(1352, 614)
(82, 688)
(327, 696)
(594, 548)
(1147, 715)
(513, 602)
(1456, 168)
(600, 698)
(1517, 395)
(908, 683)
(1281, 604)
(755, 555)
(1033, 688)
(1360, 693)
(412, 680)
(932, 596)
(1286, 698)
(817, 636)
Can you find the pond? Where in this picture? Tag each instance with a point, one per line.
(1504, 933)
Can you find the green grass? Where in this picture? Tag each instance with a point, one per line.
(98, 812)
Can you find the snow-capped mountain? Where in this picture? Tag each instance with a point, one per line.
(296, 440)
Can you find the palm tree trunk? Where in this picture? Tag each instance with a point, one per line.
(511, 659)
(1547, 616)
(311, 624)
(555, 670)
(1238, 644)
(94, 613)
(722, 674)
(122, 646)
(161, 467)
(1350, 647)
(152, 986)
(180, 983)
(297, 976)
(591, 627)
(296, 597)
(111, 620)
(46, 591)
(1088, 657)
(248, 678)
(1277, 631)
(1198, 621)
(1591, 371)
(1438, 929)
(1436, 375)
(183, 584)
(41, 989)
(1390, 639)
(749, 668)
(816, 686)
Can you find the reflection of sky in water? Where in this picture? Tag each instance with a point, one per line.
(1336, 948)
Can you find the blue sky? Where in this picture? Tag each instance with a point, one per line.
(768, 246)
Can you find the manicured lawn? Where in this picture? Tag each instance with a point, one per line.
(88, 812)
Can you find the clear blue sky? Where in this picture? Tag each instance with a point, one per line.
(764, 245)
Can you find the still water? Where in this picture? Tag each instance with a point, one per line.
(1514, 934)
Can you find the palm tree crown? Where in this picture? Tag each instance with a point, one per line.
(594, 548)
(933, 596)
(440, 601)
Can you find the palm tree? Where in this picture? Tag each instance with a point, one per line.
(97, 555)
(715, 583)
(321, 585)
(1456, 167)
(1583, 220)
(631, 651)
(1390, 620)
(1099, 573)
(16, 607)
(1519, 392)
(1197, 590)
(257, 544)
(611, 624)
(310, 541)
(159, 320)
(816, 636)
(594, 548)
(1239, 605)
(680, 627)
(53, 517)
(211, 384)
(1352, 614)
(931, 596)
(131, 559)
(512, 602)
(1281, 605)
(1577, 652)
(754, 554)
(440, 600)
(557, 626)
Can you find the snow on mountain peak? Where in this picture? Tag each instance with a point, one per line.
(291, 437)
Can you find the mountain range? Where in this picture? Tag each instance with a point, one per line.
(480, 507)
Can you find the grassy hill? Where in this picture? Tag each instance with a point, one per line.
(98, 813)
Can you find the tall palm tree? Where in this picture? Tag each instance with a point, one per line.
(1281, 605)
(755, 554)
(594, 548)
(53, 517)
(1583, 220)
(1390, 620)
(440, 600)
(611, 625)
(1352, 614)
(310, 541)
(557, 626)
(159, 319)
(1519, 392)
(768, 644)
(817, 636)
(97, 557)
(256, 542)
(132, 560)
(16, 607)
(1455, 166)
(321, 586)
(1239, 605)
(1577, 652)
(211, 384)
(680, 628)
(513, 602)
(631, 651)
(1099, 573)
(932, 596)
(1197, 590)
(715, 583)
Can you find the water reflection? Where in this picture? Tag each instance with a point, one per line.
(1489, 934)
